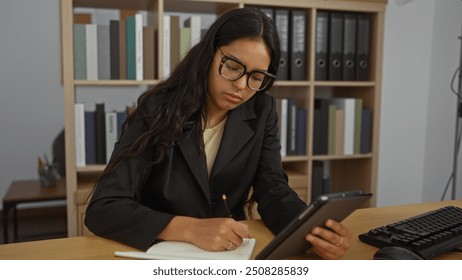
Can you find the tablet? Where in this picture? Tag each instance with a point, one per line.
(291, 240)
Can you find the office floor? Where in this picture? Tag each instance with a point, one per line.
(38, 224)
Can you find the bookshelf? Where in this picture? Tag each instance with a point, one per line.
(352, 171)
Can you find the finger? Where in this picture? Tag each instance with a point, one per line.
(230, 246)
(327, 235)
(242, 230)
(339, 228)
(325, 249)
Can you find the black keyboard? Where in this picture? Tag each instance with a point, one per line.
(428, 234)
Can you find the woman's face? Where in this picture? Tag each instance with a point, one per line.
(225, 95)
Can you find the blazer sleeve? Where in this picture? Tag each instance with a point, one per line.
(114, 211)
(277, 202)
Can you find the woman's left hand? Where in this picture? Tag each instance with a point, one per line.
(330, 242)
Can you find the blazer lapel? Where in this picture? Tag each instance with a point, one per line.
(237, 133)
(196, 162)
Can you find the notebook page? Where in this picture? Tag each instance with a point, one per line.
(176, 250)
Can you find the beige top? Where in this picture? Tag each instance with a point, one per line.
(212, 139)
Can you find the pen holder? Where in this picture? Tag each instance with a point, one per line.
(48, 175)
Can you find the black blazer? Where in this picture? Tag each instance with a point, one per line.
(134, 204)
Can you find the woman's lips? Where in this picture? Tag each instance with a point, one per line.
(233, 97)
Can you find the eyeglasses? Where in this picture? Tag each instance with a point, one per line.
(233, 70)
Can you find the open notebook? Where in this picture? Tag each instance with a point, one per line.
(175, 250)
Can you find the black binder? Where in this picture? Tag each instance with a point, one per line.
(349, 47)
(335, 46)
(281, 19)
(297, 56)
(322, 40)
(363, 45)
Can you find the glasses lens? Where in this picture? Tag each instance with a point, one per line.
(232, 70)
(259, 81)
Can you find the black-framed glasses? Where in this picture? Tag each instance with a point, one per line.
(233, 70)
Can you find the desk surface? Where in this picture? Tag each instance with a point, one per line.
(22, 191)
(93, 247)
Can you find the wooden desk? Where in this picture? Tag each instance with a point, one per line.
(25, 191)
(93, 247)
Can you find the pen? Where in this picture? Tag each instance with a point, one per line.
(225, 201)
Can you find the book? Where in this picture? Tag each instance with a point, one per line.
(139, 76)
(292, 127)
(91, 40)
(177, 250)
(194, 23)
(358, 122)
(121, 117)
(283, 116)
(339, 131)
(111, 132)
(149, 55)
(185, 41)
(174, 41)
(281, 19)
(100, 128)
(366, 131)
(332, 121)
(166, 45)
(348, 105)
(80, 62)
(114, 49)
(301, 131)
(130, 37)
(122, 50)
(320, 126)
(90, 138)
(104, 54)
(79, 111)
(297, 63)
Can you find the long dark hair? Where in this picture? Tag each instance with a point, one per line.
(175, 107)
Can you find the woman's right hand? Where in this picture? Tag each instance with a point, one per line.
(213, 234)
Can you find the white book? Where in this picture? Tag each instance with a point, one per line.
(194, 22)
(176, 250)
(284, 125)
(79, 114)
(111, 132)
(139, 46)
(348, 106)
(91, 41)
(166, 45)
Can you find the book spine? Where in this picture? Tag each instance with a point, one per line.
(131, 47)
(80, 59)
(114, 50)
(91, 51)
(111, 133)
(166, 45)
(104, 56)
(139, 46)
(79, 111)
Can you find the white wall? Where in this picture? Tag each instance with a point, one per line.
(421, 53)
(31, 95)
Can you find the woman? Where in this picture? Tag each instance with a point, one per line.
(206, 133)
